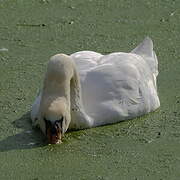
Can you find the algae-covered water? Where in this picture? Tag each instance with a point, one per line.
(32, 31)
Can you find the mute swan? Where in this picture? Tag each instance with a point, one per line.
(88, 89)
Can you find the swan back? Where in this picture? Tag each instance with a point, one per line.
(120, 87)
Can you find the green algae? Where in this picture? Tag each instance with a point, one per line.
(32, 31)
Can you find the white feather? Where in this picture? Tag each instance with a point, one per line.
(114, 87)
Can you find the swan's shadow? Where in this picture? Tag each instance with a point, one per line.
(27, 139)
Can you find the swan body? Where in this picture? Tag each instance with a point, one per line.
(96, 89)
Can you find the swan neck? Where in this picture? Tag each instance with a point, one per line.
(79, 119)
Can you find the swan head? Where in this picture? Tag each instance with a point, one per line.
(55, 119)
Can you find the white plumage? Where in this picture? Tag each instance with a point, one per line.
(114, 87)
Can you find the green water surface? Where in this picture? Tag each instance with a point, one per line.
(139, 149)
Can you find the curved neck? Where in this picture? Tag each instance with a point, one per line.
(62, 82)
(79, 118)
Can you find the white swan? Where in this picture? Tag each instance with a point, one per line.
(88, 89)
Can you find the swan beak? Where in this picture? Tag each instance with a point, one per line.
(53, 133)
(53, 138)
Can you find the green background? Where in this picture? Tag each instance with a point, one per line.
(32, 31)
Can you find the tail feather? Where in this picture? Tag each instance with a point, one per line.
(145, 49)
